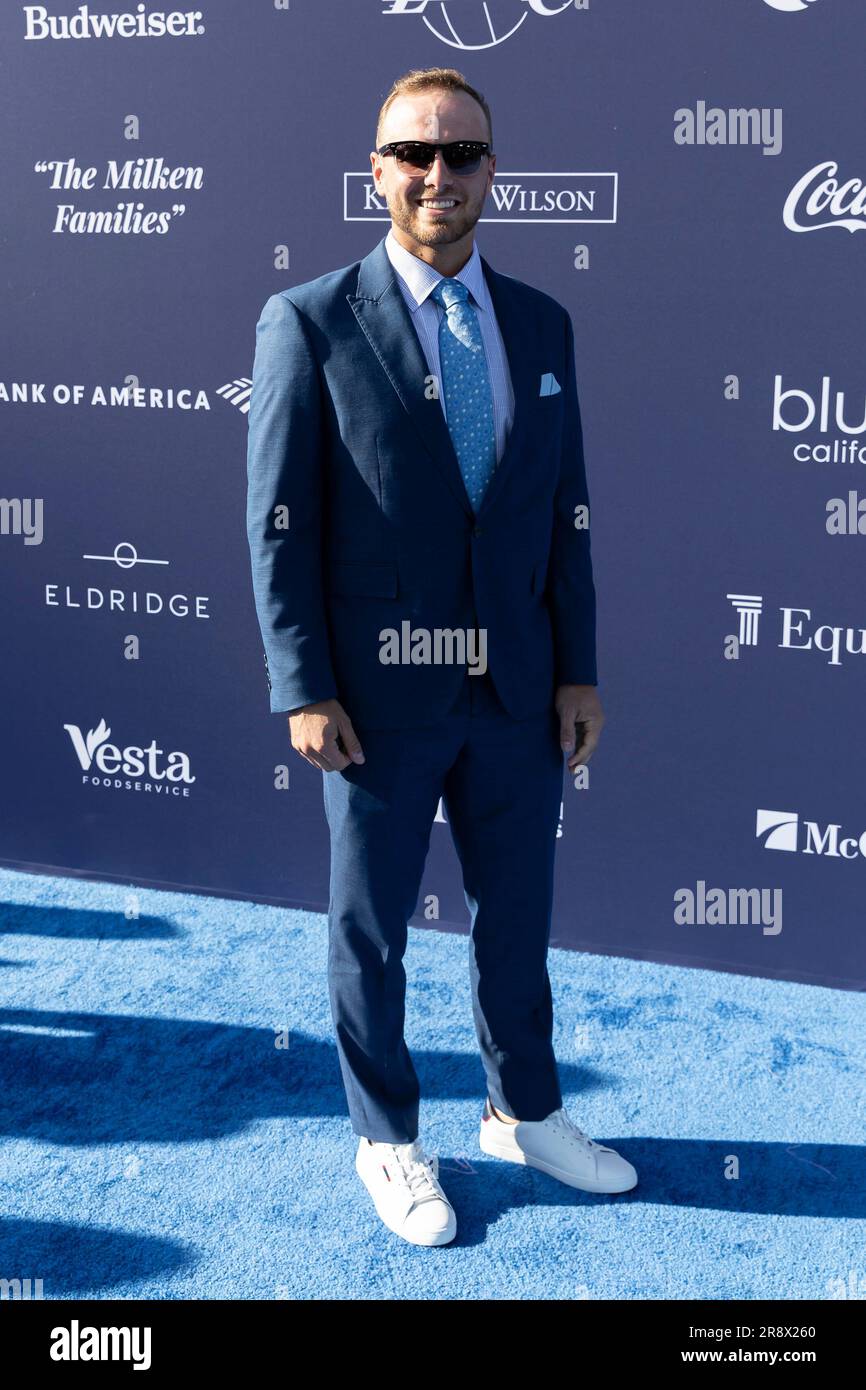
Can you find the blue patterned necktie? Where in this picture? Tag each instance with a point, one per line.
(466, 384)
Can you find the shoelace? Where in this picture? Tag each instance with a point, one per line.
(416, 1172)
(576, 1133)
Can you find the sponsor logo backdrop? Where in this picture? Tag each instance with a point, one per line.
(686, 177)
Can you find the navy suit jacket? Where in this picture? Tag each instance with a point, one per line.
(348, 438)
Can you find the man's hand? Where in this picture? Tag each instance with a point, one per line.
(323, 734)
(578, 705)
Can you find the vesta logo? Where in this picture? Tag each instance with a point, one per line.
(96, 755)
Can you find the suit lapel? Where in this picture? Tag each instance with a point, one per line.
(511, 315)
(387, 324)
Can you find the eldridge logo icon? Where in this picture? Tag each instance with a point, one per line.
(481, 24)
(781, 830)
(111, 599)
(94, 750)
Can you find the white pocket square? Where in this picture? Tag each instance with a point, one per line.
(549, 385)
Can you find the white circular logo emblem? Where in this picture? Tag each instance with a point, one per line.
(482, 25)
(789, 5)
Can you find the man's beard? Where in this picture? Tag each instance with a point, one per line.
(410, 219)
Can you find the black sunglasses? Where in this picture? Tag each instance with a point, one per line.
(416, 156)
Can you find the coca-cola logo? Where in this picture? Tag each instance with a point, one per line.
(819, 200)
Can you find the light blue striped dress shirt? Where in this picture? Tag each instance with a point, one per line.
(416, 279)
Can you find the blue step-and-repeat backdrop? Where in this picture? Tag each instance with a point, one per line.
(687, 178)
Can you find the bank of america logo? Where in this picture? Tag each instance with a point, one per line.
(237, 392)
(480, 24)
(778, 829)
(749, 607)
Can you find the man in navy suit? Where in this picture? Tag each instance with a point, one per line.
(417, 521)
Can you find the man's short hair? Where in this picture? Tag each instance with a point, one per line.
(426, 79)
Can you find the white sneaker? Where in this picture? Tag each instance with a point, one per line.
(404, 1185)
(557, 1146)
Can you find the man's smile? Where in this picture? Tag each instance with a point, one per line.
(438, 204)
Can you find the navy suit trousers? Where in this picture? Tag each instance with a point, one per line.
(500, 779)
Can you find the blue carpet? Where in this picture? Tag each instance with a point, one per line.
(156, 1143)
